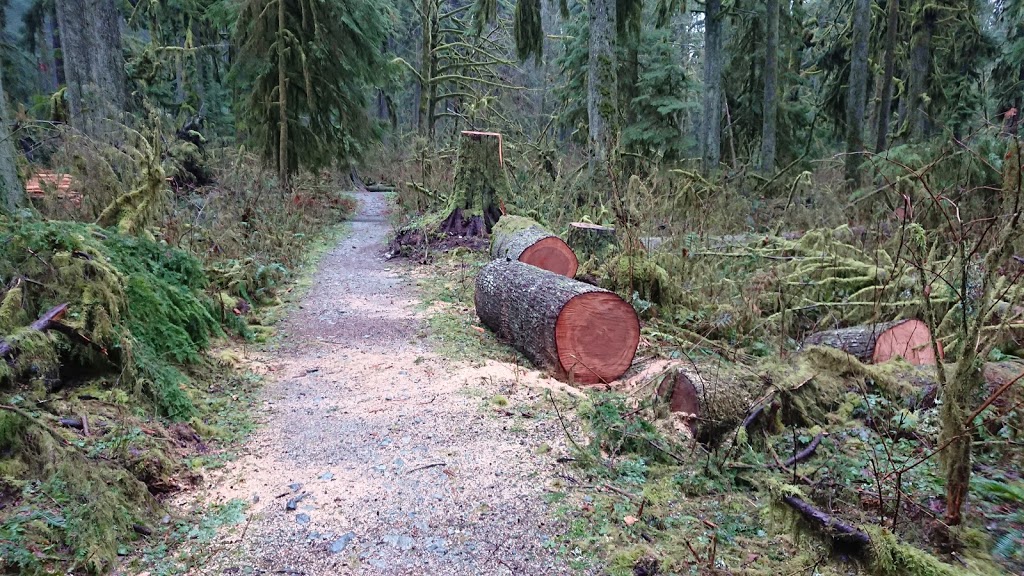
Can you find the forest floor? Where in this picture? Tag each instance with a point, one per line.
(394, 457)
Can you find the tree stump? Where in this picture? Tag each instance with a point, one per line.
(591, 240)
(580, 333)
(716, 398)
(522, 239)
(878, 343)
(480, 185)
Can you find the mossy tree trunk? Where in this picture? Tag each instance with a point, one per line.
(884, 112)
(12, 194)
(857, 90)
(771, 90)
(601, 86)
(480, 185)
(90, 36)
(711, 129)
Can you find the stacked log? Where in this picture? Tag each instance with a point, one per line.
(580, 333)
(522, 239)
(878, 343)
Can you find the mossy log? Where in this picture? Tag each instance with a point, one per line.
(591, 240)
(716, 397)
(998, 374)
(480, 185)
(580, 333)
(522, 239)
(878, 343)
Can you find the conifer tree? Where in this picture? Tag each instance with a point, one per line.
(308, 65)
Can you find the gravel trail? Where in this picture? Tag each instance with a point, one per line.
(390, 455)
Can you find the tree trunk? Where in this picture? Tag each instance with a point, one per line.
(522, 239)
(884, 113)
(579, 332)
(480, 185)
(877, 343)
(12, 194)
(591, 241)
(90, 35)
(715, 398)
(711, 132)
(771, 89)
(602, 99)
(920, 65)
(282, 98)
(857, 90)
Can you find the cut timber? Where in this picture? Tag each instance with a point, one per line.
(715, 396)
(522, 239)
(579, 332)
(877, 343)
(44, 323)
(480, 185)
(591, 240)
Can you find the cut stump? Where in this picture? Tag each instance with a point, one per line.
(591, 240)
(480, 185)
(878, 343)
(522, 239)
(580, 333)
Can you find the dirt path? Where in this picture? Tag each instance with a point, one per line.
(405, 467)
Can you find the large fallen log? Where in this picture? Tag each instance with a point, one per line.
(715, 397)
(44, 323)
(878, 343)
(522, 239)
(581, 333)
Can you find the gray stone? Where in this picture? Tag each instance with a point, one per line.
(437, 546)
(302, 519)
(399, 541)
(342, 543)
(327, 476)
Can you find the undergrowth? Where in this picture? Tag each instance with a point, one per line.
(119, 403)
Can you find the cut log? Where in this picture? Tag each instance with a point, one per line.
(591, 240)
(44, 323)
(522, 239)
(878, 343)
(581, 333)
(717, 397)
(480, 185)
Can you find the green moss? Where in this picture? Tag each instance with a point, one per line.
(638, 274)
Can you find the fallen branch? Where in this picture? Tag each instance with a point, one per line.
(836, 529)
(425, 466)
(44, 323)
(806, 452)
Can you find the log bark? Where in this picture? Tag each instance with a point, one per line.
(44, 323)
(90, 37)
(522, 239)
(580, 333)
(716, 396)
(591, 240)
(878, 343)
